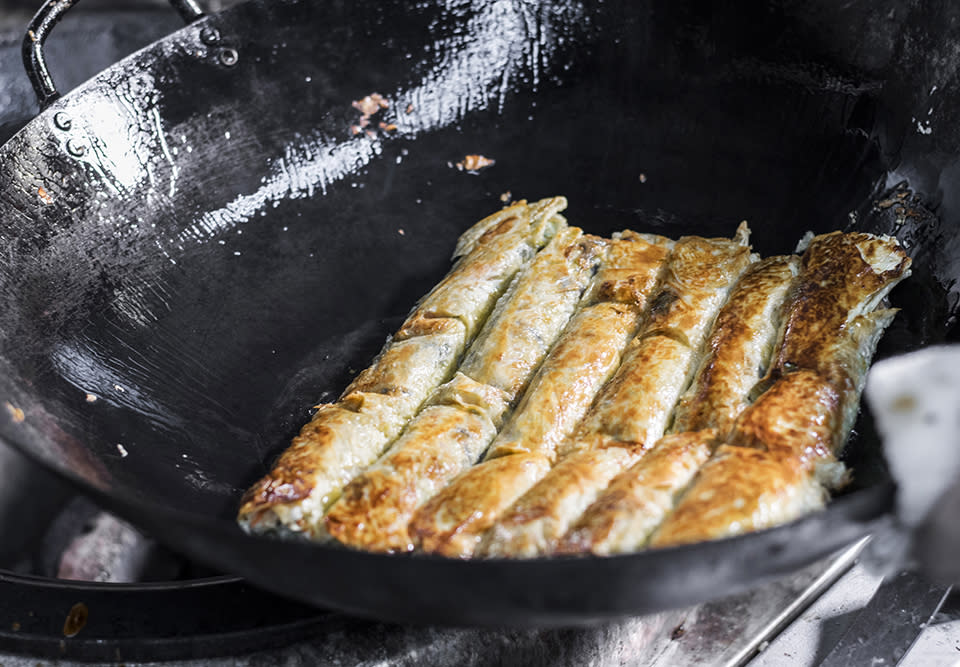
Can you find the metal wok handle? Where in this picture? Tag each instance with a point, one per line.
(41, 25)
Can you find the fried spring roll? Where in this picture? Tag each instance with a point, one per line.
(344, 437)
(844, 276)
(377, 505)
(738, 490)
(587, 353)
(636, 502)
(789, 438)
(736, 356)
(794, 431)
(739, 349)
(632, 410)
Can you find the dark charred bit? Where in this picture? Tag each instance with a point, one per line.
(277, 490)
(678, 632)
(661, 303)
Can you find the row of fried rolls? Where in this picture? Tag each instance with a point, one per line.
(612, 391)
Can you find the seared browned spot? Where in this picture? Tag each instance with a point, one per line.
(377, 505)
(424, 324)
(452, 522)
(835, 281)
(661, 304)
(631, 269)
(502, 227)
(729, 363)
(796, 418)
(734, 493)
(289, 479)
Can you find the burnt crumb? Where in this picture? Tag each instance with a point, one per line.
(678, 632)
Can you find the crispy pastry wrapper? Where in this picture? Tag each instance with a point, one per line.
(378, 505)
(739, 490)
(636, 502)
(738, 350)
(375, 508)
(586, 354)
(534, 524)
(334, 447)
(633, 409)
(734, 358)
(788, 440)
(453, 521)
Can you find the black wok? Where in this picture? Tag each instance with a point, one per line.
(196, 247)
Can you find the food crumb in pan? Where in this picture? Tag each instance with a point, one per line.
(16, 414)
(123, 451)
(15, 626)
(401, 232)
(370, 104)
(474, 163)
(90, 398)
(409, 108)
(505, 197)
(44, 196)
(643, 177)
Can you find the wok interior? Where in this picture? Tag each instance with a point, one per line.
(171, 379)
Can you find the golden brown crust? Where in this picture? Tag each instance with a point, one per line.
(535, 523)
(585, 356)
(376, 509)
(335, 446)
(630, 269)
(739, 347)
(529, 317)
(632, 410)
(587, 352)
(842, 276)
(635, 405)
(407, 369)
(740, 490)
(471, 288)
(453, 521)
(623, 516)
(698, 278)
(797, 418)
(514, 504)
(321, 451)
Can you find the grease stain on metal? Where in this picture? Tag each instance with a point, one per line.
(76, 620)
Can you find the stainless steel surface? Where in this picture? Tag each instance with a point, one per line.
(840, 565)
(890, 623)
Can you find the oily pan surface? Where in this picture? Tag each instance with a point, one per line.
(176, 300)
